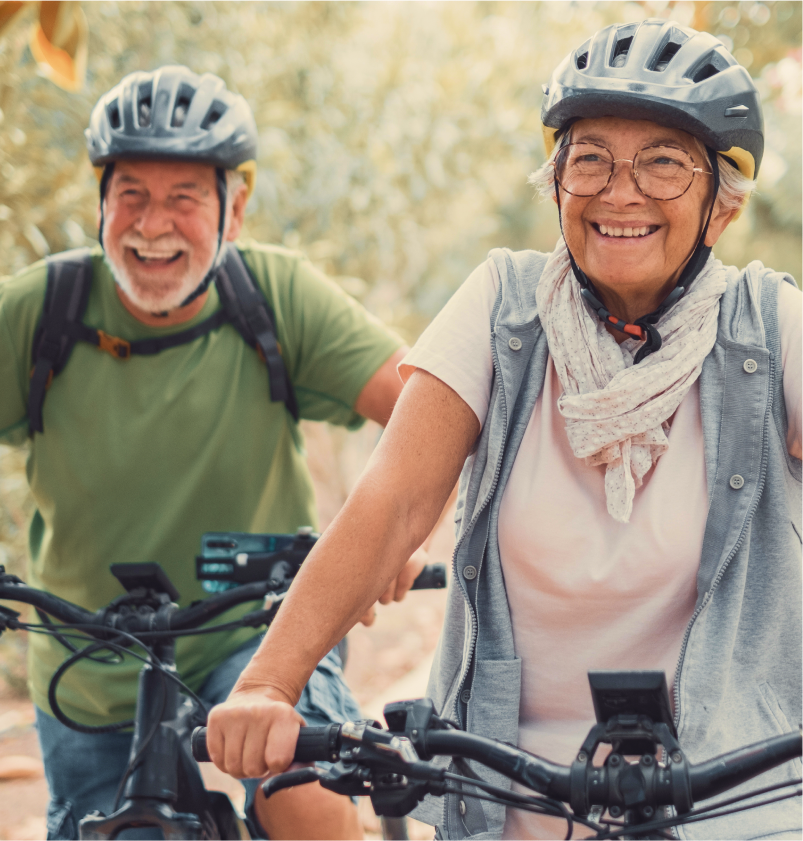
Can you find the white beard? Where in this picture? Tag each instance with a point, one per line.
(155, 298)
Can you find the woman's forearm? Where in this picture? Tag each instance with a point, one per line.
(390, 512)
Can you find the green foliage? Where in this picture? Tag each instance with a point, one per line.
(395, 138)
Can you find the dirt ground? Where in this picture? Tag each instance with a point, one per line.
(387, 661)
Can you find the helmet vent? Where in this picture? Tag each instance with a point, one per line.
(582, 61)
(114, 115)
(619, 58)
(144, 106)
(182, 106)
(709, 66)
(216, 110)
(705, 72)
(667, 54)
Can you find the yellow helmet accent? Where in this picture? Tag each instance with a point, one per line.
(745, 162)
(549, 138)
(249, 171)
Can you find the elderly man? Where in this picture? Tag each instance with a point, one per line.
(188, 423)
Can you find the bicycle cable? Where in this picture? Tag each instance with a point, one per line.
(45, 619)
(152, 659)
(709, 812)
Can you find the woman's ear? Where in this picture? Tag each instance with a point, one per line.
(720, 220)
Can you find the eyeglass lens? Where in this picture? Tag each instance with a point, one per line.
(661, 172)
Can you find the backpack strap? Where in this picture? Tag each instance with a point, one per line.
(252, 317)
(69, 278)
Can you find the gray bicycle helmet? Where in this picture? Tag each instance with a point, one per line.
(658, 70)
(174, 114)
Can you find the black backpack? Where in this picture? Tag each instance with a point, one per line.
(69, 278)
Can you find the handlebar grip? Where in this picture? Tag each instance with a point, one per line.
(315, 744)
(431, 577)
(198, 745)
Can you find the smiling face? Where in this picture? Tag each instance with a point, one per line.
(160, 230)
(633, 248)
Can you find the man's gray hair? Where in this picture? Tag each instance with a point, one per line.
(234, 179)
(734, 188)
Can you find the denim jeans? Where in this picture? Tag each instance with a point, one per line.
(83, 770)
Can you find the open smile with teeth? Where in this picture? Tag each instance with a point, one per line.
(156, 256)
(610, 231)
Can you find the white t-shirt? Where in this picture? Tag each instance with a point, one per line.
(585, 591)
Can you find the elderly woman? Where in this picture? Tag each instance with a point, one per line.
(626, 413)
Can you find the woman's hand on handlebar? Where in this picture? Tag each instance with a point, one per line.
(253, 732)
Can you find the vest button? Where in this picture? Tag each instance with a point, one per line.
(750, 365)
(514, 343)
(470, 573)
(737, 481)
(465, 696)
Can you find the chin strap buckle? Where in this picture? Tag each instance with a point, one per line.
(118, 348)
(638, 331)
(624, 327)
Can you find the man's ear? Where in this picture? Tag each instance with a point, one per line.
(237, 215)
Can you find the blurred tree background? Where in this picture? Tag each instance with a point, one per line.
(395, 138)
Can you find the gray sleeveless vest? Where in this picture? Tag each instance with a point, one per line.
(738, 679)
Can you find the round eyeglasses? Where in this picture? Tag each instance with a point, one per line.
(661, 172)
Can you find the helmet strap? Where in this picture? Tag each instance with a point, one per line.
(108, 171)
(220, 178)
(644, 328)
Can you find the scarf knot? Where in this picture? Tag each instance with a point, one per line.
(616, 412)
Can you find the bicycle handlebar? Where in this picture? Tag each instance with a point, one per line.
(193, 616)
(707, 779)
(104, 619)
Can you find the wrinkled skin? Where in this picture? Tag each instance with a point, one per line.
(634, 274)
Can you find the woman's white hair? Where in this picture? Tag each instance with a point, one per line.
(734, 188)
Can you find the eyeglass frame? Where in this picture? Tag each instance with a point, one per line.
(694, 171)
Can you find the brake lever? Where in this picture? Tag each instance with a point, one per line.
(342, 778)
(288, 779)
(8, 619)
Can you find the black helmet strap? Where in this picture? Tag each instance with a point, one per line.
(220, 178)
(108, 171)
(644, 327)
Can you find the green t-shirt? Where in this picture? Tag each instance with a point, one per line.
(140, 457)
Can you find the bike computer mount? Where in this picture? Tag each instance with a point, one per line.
(144, 577)
(634, 716)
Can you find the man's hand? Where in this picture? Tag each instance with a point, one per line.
(253, 732)
(400, 585)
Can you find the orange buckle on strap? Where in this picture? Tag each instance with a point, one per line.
(635, 330)
(119, 348)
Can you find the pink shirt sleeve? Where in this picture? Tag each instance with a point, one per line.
(790, 318)
(456, 347)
